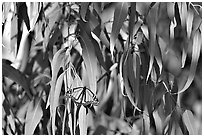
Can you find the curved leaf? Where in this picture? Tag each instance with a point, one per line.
(17, 76)
(97, 33)
(33, 116)
(197, 41)
(120, 15)
(136, 70)
(55, 101)
(124, 78)
(152, 20)
(89, 57)
(34, 8)
(56, 63)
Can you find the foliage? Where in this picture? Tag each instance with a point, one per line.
(138, 66)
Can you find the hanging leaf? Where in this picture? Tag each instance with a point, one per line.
(189, 121)
(131, 77)
(55, 101)
(9, 34)
(120, 15)
(197, 41)
(136, 70)
(55, 66)
(133, 19)
(33, 13)
(14, 32)
(183, 13)
(89, 57)
(23, 50)
(17, 76)
(197, 21)
(6, 6)
(83, 121)
(33, 116)
(52, 17)
(124, 78)
(151, 21)
(189, 23)
(145, 31)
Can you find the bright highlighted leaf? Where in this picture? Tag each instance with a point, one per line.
(33, 116)
(55, 101)
(83, 121)
(189, 121)
(183, 13)
(195, 56)
(189, 22)
(120, 15)
(55, 65)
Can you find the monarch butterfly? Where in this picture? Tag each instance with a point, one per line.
(83, 95)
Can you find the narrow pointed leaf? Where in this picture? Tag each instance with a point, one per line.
(87, 29)
(189, 121)
(56, 100)
(136, 69)
(133, 19)
(189, 22)
(195, 56)
(55, 66)
(17, 76)
(89, 56)
(131, 77)
(33, 116)
(120, 15)
(83, 121)
(183, 13)
(33, 12)
(152, 20)
(124, 68)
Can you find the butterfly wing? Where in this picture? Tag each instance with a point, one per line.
(84, 96)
